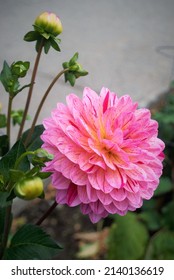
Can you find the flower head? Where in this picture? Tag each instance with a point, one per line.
(107, 156)
(49, 23)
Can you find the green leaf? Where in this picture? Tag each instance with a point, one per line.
(45, 35)
(38, 43)
(8, 161)
(2, 219)
(3, 120)
(4, 145)
(152, 219)
(73, 59)
(54, 44)
(165, 186)
(149, 205)
(4, 199)
(47, 45)
(17, 116)
(161, 246)
(31, 36)
(9, 81)
(65, 65)
(6, 76)
(168, 215)
(35, 142)
(44, 175)
(127, 239)
(71, 78)
(30, 243)
(15, 175)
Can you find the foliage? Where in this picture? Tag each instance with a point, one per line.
(149, 232)
(128, 238)
(29, 241)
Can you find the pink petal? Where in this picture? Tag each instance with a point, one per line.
(72, 196)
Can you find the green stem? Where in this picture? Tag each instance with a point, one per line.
(47, 213)
(41, 104)
(30, 89)
(10, 100)
(21, 158)
(7, 225)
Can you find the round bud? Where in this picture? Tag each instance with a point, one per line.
(29, 188)
(49, 23)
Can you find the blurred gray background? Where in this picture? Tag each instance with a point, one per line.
(118, 43)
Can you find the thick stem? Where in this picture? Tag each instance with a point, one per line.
(41, 104)
(45, 215)
(9, 117)
(30, 89)
(7, 225)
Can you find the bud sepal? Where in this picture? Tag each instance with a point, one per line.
(75, 70)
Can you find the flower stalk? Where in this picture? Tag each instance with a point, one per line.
(46, 214)
(10, 100)
(7, 224)
(31, 88)
(41, 104)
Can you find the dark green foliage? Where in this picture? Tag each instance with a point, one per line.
(31, 243)
(161, 246)
(128, 238)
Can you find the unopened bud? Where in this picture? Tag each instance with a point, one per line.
(20, 68)
(29, 188)
(49, 23)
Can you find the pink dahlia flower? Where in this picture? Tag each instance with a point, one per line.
(107, 157)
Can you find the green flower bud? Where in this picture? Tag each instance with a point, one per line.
(41, 156)
(49, 23)
(29, 188)
(20, 68)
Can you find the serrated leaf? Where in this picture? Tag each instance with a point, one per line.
(127, 239)
(35, 142)
(161, 246)
(31, 242)
(8, 161)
